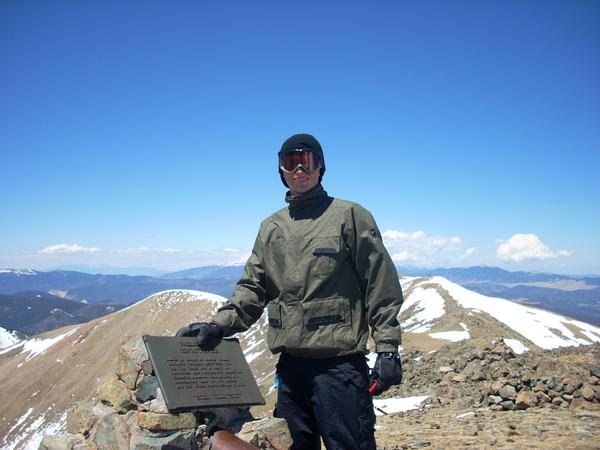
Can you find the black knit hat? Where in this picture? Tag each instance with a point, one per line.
(302, 142)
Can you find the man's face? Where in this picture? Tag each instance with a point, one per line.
(300, 181)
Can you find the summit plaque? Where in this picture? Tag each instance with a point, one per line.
(192, 378)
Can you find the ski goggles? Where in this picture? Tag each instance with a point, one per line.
(308, 161)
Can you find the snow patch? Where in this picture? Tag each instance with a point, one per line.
(398, 404)
(454, 336)
(19, 272)
(515, 345)
(428, 305)
(173, 296)
(7, 338)
(38, 346)
(30, 437)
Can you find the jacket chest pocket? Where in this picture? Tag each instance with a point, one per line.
(327, 253)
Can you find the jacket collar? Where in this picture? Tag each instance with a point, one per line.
(311, 198)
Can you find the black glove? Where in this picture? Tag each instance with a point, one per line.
(386, 373)
(205, 333)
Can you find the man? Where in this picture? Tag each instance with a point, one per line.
(321, 270)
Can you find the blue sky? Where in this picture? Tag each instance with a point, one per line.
(145, 133)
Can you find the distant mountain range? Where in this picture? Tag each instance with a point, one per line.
(35, 312)
(577, 297)
(99, 288)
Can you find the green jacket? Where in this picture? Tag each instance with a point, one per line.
(321, 270)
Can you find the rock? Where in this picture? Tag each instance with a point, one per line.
(557, 401)
(496, 407)
(580, 403)
(507, 392)
(569, 389)
(114, 392)
(476, 354)
(147, 368)
(550, 382)
(273, 430)
(526, 399)
(147, 389)
(459, 378)
(158, 405)
(552, 393)
(443, 401)
(567, 397)
(477, 375)
(587, 392)
(445, 369)
(543, 397)
(507, 405)
(420, 443)
(81, 418)
(502, 372)
(228, 419)
(61, 442)
(177, 440)
(593, 380)
(514, 382)
(540, 388)
(525, 377)
(494, 399)
(572, 381)
(110, 433)
(595, 372)
(496, 385)
(129, 362)
(165, 422)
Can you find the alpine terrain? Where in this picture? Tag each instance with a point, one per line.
(478, 371)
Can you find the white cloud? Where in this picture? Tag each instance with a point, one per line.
(470, 252)
(420, 248)
(68, 248)
(241, 260)
(526, 246)
(403, 256)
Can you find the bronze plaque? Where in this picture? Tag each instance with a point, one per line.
(192, 378)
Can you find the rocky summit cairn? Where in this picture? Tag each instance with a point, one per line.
(482, 394)
(510, 382)
(130, 413)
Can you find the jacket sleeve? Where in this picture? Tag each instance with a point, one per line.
(379, 280)
(249, 296)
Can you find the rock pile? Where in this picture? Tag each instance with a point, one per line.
(131, 414)
(494, 376)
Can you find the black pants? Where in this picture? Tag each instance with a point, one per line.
(326, 398)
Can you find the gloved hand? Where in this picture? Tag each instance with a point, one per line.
(386, 372)
(205, 333)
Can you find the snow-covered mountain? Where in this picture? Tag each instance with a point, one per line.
(440, 309)
(43, 377)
